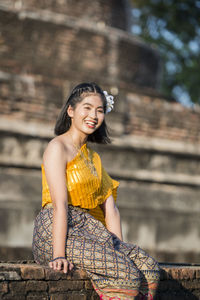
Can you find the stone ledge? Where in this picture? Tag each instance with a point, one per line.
(26, 280)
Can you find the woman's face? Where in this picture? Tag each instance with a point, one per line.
(88, 114)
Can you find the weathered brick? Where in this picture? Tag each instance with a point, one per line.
(54, 275)
(59, 296)
(36, 285)
(198, 273)
(175, 273)
(65, 285)
(191, 284)
(37, 296)
(32, 272)
(17, 287)
(187, 273)
(14, 297)
(78, 296)
(196, 293)
(3, 287)
(167, 285)
(70, 296)
(79, 274)
(9, 275)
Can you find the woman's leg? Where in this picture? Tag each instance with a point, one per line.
(148, 266)
(112, 273)
(150, 270)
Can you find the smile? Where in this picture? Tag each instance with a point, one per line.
(91, 124)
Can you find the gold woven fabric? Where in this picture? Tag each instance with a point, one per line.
(85, 189)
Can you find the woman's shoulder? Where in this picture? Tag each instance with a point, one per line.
(56, 144)
(56, 149)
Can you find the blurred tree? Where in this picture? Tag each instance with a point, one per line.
(173, 26)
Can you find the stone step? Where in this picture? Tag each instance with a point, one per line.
(127, 162)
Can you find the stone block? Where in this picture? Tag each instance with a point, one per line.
(3, 287)
(71, 275)
(167, 285)
(32, 272)
(14, 297)
(53, 275)
(37, 296)
(78, 274)
(191, 284)
(196, 293)
(70, 296)
(198, 273)
(65, 285)
(36, 285)
(78, 296)
(9, 275)
(17, 288)
(59, 297)
(175, 273)
(187, 274)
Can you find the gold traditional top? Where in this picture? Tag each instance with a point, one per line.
(85, 189)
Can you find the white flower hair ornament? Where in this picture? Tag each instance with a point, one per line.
(109, 102)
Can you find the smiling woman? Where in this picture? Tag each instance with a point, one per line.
(89, 113)
(79, 223)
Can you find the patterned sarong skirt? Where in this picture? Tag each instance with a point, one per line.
(118, 270)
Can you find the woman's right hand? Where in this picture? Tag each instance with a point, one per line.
(61, 264)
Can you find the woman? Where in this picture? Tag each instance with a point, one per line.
(79, 224)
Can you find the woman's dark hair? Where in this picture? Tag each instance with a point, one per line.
(63, 122)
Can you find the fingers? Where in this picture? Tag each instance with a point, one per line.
(65, 266)
(71, 266)
(50, 264)
(61, 264)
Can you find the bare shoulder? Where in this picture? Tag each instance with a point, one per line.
(55, 150)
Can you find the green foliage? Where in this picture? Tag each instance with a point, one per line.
(173, 26)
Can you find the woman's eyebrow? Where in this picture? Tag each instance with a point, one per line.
(86, 103)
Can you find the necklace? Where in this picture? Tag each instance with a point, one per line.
(87, 160)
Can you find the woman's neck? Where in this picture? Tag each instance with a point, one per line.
(78, 139)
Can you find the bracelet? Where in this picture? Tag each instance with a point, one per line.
(59, 257)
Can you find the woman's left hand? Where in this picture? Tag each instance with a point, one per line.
(61, 263)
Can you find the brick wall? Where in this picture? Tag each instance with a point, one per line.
(111, 13)
(30, 281)
(154, 118)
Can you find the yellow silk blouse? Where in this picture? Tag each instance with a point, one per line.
(84, 188)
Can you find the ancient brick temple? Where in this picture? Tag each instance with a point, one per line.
(46, 47)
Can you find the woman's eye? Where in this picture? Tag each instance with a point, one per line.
(87, 107)
(101, 111)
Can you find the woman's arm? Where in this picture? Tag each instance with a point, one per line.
(112, 217)
(55, 171)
